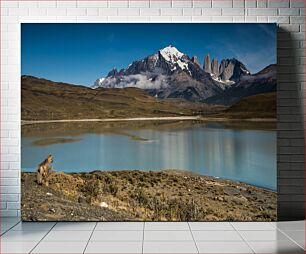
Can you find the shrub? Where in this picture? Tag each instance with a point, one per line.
(92, 188)
(141, 197)
(113, 189)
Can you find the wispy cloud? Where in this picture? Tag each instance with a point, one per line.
(143, 81)
(267, 29)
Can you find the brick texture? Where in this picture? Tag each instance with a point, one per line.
(289, 14)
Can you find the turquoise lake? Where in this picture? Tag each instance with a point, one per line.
(213, 149)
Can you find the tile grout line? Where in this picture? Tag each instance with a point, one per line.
(90, 237)
(245, 241)
(143, 232)
(42, 238)
(290, 238)
(193, 237)
(274, 225)
(10, 228)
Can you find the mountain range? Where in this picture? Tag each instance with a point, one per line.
(169, 73)
(43, 99)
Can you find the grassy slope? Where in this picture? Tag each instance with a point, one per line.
(44, 100)
(139, 195)
(256, 106)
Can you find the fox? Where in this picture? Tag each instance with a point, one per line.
(43, 170)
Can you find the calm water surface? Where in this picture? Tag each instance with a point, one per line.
(207, 149)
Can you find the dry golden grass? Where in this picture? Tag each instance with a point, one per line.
(147, 195)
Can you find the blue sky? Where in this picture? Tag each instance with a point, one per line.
(81, 53)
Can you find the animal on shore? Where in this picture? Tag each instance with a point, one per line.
(43, 170)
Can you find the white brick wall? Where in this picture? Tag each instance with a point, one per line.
(290, 14)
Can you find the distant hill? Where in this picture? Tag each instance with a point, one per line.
(47, 100)
(256, 106)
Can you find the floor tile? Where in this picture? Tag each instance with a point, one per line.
(7, 225)
(301, 243)
(63, 226)
(17, 247)
(3, 230)
(224, 247)
(166, 226)
(167, 236)
(33, 226)
(119, 226)
(60, 247)
(114, 247)
(107, 236)
(221, 226)
(273, 235)
(22, 236)
(216, 236)
(169, 247)
(291, 225)
(69, 236)
(273, 224)
(276, 247)
(253, 226)
(297, 235)
(160, 237)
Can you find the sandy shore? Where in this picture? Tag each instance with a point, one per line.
(133, 195)
(174, 118)
(23, 122)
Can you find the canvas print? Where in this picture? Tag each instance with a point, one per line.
(148, 122)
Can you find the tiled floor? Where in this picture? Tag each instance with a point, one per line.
(152, 237)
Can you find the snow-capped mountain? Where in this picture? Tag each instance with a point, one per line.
(145, 72)
(169, 73)
(175, 58)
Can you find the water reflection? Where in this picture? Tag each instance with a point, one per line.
(209, 149)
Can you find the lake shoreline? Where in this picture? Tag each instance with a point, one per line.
(134, 195)
(179, 118)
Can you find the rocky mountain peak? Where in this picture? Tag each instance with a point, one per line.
(232, 69)
(113, 73)
(229, 70)
(207, 64)
(173, 58)
(171, 54)
(215, 67)
(195, 60)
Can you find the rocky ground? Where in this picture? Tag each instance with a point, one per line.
(143, 195)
